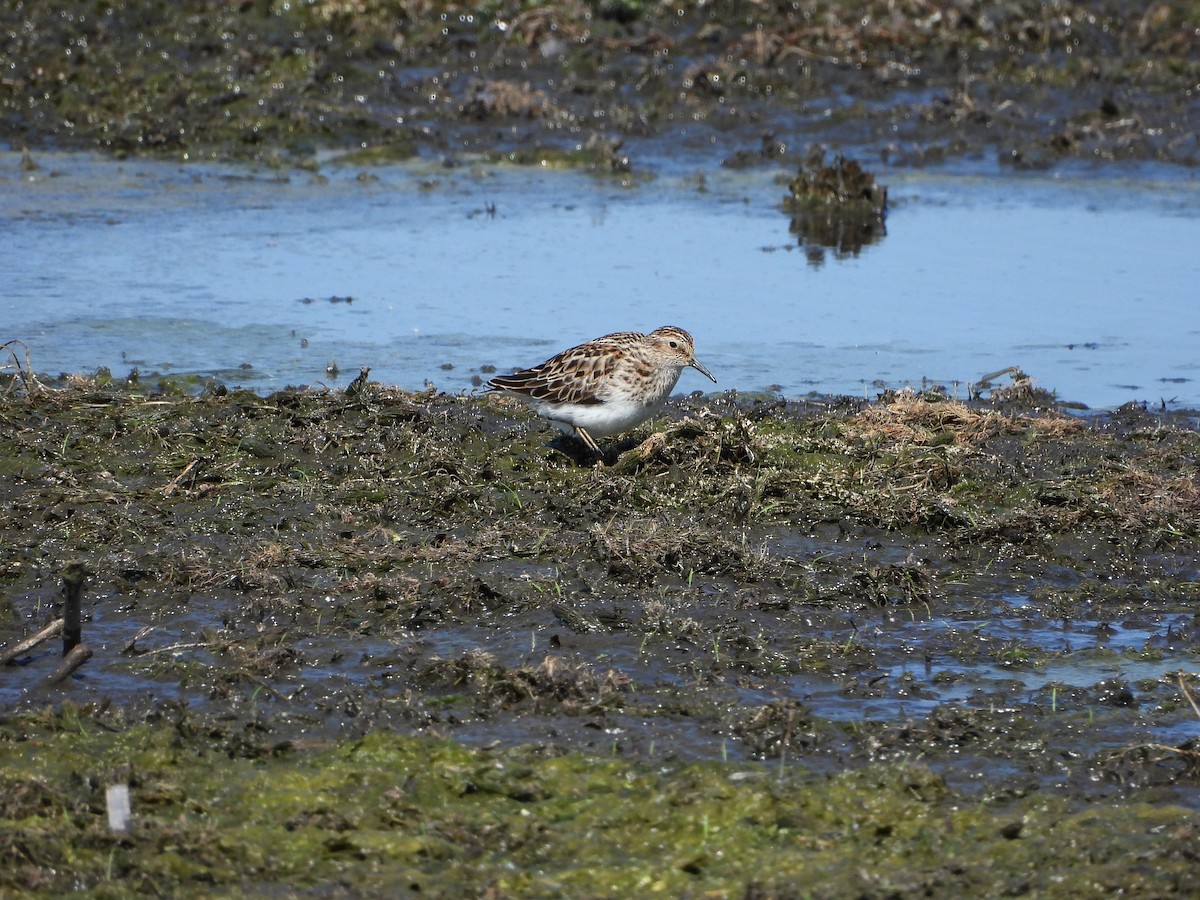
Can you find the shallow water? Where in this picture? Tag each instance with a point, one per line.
(915, 669)
(1086, 281)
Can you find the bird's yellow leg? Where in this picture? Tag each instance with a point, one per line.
(589, 441)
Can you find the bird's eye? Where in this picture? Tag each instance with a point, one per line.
(674, 345)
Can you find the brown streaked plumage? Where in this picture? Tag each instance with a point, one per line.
(607, 385)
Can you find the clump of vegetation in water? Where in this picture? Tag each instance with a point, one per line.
(837, 204)
(841, 184)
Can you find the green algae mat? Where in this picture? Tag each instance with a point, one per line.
(398, 816)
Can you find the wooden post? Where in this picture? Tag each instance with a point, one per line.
(73, 577)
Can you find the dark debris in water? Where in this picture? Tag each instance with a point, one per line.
(836, 205)
(738, 637)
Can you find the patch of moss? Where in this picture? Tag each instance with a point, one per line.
(390, 810)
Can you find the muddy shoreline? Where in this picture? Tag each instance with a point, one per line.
(995, 601)
(597, 83)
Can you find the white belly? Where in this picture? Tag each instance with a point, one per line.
(600, 420)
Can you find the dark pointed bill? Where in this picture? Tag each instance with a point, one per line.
(695, 364)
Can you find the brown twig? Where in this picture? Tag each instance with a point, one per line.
(28, 379)
(173, 485)
(1188, 695)
(19, 649)
(79, 654)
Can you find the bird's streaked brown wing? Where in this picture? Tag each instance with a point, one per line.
(572, 376)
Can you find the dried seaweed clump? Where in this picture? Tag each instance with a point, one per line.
(909, 419)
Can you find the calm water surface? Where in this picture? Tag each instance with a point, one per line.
(1088, 282)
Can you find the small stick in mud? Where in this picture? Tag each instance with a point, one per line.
(173, 485)
(1187, 695)
(79, 654)
(28, 379)
(10, 654)
(73, 577)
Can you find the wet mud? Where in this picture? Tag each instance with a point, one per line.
(901, 646)
(598, 83)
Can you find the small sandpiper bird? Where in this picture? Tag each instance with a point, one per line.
(608, 385)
